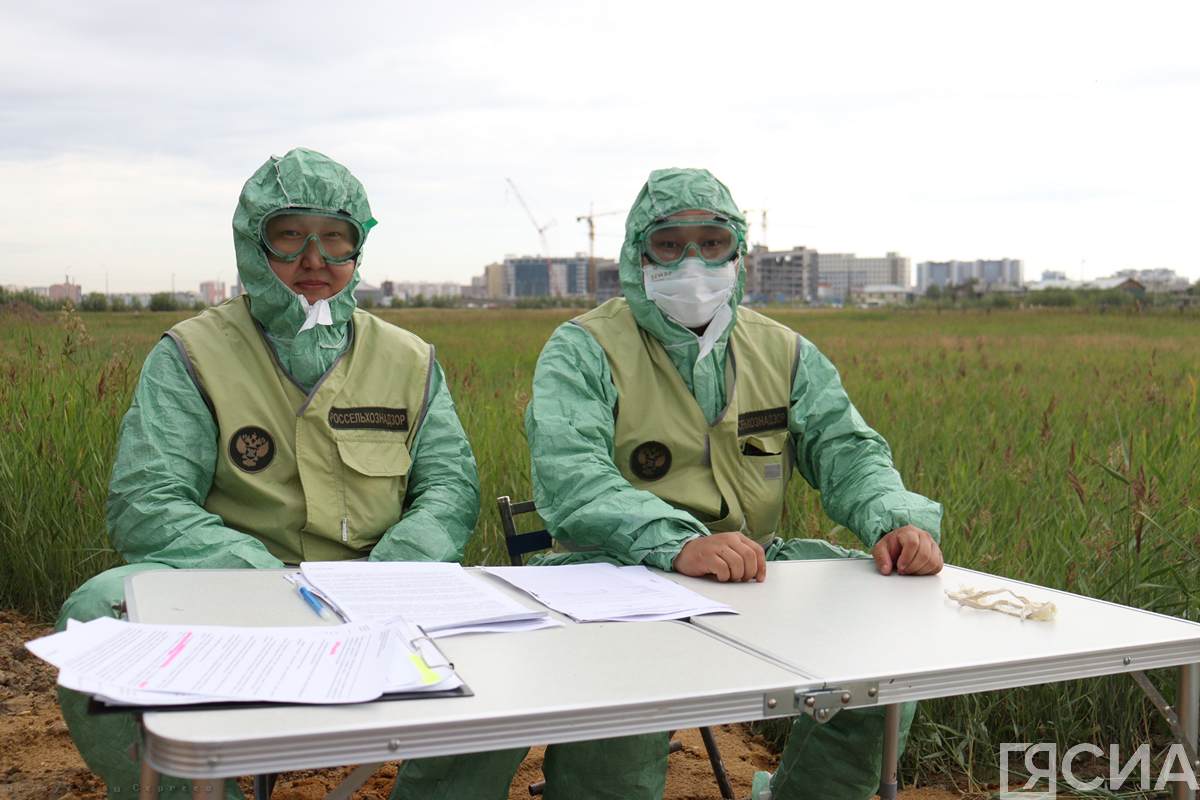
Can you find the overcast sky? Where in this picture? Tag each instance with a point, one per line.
(1061, 133)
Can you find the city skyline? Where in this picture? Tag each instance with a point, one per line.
(796, 275)
(1059, 134)
(914, 281)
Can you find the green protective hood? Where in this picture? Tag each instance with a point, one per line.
(668, 191)
(301, 179)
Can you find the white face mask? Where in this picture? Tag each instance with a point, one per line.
(691, 293)
(315, 314)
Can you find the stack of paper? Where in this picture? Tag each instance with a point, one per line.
(135, 664)
(598, 592)
(439, 597)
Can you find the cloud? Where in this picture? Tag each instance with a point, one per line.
(135, 220)
(1049, 132)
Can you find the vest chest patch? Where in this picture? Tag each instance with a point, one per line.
(376, 418)
(251, 448)
(769, 419)
(650, 460)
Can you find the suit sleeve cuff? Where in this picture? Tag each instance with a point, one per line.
(888, 512)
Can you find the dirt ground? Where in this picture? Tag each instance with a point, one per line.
(38, 761)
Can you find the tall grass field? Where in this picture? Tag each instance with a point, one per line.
(1065, 447)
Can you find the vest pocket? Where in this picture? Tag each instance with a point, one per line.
(765, 472)
(374, 482)
(764, 445)
(376, 457)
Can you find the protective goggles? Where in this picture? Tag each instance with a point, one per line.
(713, 240)
(285, 234)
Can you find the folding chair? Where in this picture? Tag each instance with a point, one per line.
(521, 544)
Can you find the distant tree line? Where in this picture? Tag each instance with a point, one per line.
(420, 301)
(577, 301)
(443, 301)
(965, 296)
(29, 298)
(969, 295)
(165, 301)
(97, 301)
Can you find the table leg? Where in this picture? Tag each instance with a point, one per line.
(357, 777)
(718, 766)
(263, 784)
(1187, 707)
(148, 784)
(891, 752)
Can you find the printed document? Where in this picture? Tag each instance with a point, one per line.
(604, 592)
(336, 664)
(434, 595)
(138, 664)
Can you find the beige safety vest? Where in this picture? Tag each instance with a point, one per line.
(731, 475)
(316, 476)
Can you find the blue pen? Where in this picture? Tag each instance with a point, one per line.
(312, 601)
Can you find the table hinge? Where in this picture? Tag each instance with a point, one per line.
(823, 704)
(820, 704)
(780, 703)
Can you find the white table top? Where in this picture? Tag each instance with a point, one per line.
(827, 624)
(572, 683)
(841, 621)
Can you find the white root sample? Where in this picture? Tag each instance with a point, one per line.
(995, 600)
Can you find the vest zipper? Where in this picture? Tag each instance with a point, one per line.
(345, 531)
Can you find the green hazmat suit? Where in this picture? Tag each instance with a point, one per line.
(168, 449)
(590, 507)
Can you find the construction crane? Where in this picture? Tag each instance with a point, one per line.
(541, 229)
(746, 212)
(590, 219)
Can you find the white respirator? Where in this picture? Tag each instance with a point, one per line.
(315, 314)
(691, 293)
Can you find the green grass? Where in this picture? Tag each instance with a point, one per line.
(1063, 445)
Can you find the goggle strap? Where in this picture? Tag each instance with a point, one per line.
(309, 211)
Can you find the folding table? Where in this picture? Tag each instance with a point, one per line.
(872, 639)
(573, 683)
(816, 637)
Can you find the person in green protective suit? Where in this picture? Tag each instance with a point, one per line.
(283, 425)
(663, 428)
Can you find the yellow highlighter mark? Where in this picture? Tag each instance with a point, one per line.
(428, 676)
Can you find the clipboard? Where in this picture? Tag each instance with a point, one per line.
(100, 707)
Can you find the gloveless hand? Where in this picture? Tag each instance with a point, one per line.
(725, 556)
(908, 551)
